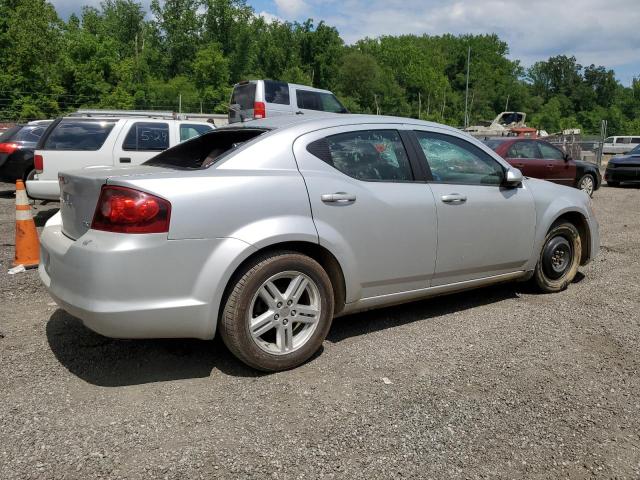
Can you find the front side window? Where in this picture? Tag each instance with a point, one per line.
(188, 131)
(453, 160)
(524, 150)
(608, 140)
(147, 137)
(86, 135)
(550, 152)
(276, 92)
(621, 140)
(369, 155)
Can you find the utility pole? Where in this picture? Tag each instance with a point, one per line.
(444, 103)
(200, 106)
(180, 103)
(506, 107)
(375, 99)
(419, 106)
(466, 93)
(428, 103)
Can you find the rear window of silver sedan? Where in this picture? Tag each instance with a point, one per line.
(205, 150)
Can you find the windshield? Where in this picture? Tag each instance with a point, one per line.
(205, 150)
(635, 151)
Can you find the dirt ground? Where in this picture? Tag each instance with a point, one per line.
(495, 383)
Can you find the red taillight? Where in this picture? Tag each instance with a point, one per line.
(124, 210)
(8, 147)
(38, 163)
(259, 110)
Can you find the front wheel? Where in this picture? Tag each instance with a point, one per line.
(559, 259)
(587, 184)
(278, 312)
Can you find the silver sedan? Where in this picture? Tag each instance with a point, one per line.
(267, 230)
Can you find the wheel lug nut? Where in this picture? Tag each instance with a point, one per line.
(276, 316)
(289, 302)
(279, 304)
(293, 312)
(285, 321)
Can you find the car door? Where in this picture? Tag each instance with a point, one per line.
(368, 207)
(484, 229)
(525, 155)
(559, 169)
(141, 140)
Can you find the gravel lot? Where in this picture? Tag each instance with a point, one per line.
(498, 382)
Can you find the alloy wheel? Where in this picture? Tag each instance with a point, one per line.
(586, 185)
(284, 312)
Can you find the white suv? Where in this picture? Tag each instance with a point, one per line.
(77, 142)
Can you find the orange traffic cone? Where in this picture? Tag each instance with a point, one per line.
(27, 243)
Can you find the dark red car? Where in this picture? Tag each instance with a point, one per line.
(539, 159)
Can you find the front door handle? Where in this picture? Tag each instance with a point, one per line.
(299, 113)
(453, 198)
(549, 165)
(338, 197)
(125, 160)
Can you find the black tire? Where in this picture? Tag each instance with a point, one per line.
(613, 184)
(554, 272)
(593, 183)
(234, 323)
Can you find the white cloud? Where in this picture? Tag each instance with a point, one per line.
(594, 31)
(291, 8)
(269, 17)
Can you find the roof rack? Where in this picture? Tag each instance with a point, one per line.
(124, 113)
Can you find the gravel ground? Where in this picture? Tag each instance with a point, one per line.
(494, 383)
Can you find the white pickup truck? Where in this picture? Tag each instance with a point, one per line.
(78, 142)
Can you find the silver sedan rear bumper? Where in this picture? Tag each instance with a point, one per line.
(138, 286)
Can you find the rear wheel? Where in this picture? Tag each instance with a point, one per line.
(278, 312)
(559, 259)
(587, 184)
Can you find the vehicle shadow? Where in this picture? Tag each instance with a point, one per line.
(110, 362)
(8, 193)
(375, 320)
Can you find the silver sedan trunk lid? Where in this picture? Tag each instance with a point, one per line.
(80, 191)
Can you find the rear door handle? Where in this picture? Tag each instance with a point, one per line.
(549, 165)
(338, 197)
(453, 198)
(125, 160)
(519, 165)
(299, 113)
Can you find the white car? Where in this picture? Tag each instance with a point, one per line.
(79, 142)
(620, 144)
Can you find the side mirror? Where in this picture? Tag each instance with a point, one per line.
(566, 157)
(513, 178)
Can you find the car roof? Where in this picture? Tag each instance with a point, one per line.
(325, 120)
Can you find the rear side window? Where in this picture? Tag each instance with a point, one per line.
(324, 102)
(524, 150)
(622, 140)
(8, 134)
(453, 160)
(147, 137)
(635, 140)
(188, 131)
(244, 95)
(86, 135)
(276, 92)
(369, 155)
(205, 150)
(29, 134)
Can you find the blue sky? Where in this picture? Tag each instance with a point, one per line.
(595, 31)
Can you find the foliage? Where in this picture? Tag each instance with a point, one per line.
(191, 52)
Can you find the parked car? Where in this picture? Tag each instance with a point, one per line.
(78, 142)
(16, 150)
(624, 169)
(266, 230)
(539, 159)
(620, 144)
(256, 99)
